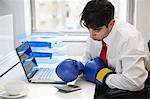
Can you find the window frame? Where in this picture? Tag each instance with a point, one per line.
(129, 18)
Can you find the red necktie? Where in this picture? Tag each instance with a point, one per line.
(103, 52)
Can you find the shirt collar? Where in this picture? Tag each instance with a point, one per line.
(111, 35)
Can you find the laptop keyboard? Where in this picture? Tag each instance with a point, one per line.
(45, 73)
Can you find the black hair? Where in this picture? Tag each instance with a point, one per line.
(97, 13)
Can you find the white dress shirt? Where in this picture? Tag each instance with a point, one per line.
(127, 55)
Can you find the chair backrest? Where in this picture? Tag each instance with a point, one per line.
(149, 71)
(149, 45)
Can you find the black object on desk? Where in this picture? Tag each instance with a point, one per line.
(67, 88)
(4, 72)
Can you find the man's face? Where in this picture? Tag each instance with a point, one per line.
(99, 33)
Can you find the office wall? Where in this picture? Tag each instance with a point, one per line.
(21, 21)
(11, 24)
(143, 17)
(6, 35)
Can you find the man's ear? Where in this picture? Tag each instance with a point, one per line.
(111, 23)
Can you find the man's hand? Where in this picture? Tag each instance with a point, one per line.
(96, 71)
(69, 69)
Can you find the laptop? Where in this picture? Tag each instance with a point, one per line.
(34, 73)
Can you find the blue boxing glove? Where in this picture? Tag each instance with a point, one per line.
(96, 71)
(69, 69)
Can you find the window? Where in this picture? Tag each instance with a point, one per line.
(64, 15)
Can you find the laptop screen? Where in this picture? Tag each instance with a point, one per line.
(27, 59)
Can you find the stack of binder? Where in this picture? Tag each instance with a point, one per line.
(47, 47)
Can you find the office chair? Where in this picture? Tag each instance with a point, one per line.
(149, 45)
(149, 70)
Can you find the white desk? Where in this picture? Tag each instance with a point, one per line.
(47, 91)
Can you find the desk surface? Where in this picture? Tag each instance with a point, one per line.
(48, 91)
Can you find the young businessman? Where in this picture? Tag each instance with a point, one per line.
(126, 50)
(115, 56)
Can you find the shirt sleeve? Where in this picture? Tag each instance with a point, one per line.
(93, 49)
(132, 63)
